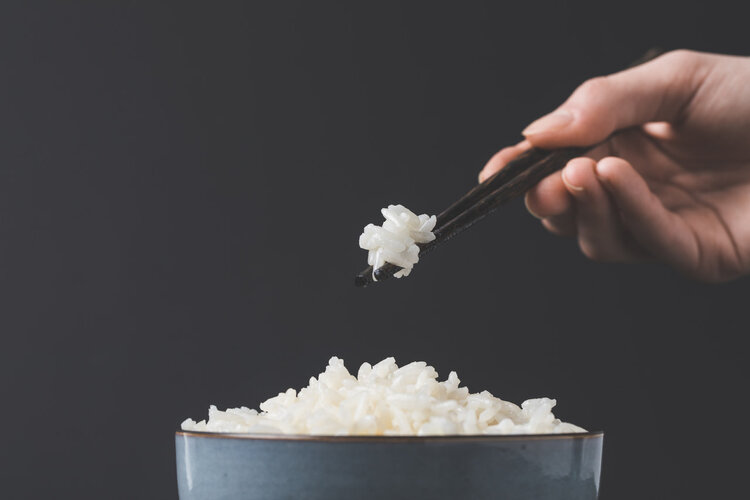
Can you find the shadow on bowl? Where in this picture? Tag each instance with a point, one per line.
(520, 467)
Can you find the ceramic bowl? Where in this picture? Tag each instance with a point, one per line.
(530, 467)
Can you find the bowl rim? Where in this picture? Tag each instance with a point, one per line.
(391, 439)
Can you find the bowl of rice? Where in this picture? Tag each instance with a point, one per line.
(387, 432)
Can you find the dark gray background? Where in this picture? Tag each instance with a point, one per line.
(160, 165)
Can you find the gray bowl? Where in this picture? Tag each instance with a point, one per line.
(245, 466)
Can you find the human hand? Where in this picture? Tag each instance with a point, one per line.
(672, 184)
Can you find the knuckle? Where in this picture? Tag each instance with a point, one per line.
(591, 89)
(681, 57)
(612, 163)
(611, 160)
(611, 168)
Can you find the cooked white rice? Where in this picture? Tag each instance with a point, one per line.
(386, 400)
(395, 241)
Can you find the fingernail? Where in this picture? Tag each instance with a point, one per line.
(600, 172)
(549, 123)
(479, 177)
(570, 184)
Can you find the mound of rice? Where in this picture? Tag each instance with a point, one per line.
(386, 400)
(395, 241)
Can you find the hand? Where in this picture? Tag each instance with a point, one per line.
(672, 184)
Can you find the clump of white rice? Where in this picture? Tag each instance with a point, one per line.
(395, 241)
(385, 400)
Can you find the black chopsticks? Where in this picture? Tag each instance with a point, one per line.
(517, 177)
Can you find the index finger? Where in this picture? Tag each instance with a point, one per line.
(502, 158)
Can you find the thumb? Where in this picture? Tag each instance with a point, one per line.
(658, 90)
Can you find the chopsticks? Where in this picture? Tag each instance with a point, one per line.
(512, 181)
(517, 177)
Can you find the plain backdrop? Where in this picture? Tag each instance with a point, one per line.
(182, 186)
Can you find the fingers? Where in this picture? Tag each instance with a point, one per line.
(659, 90)
(549, 197)
(506, 155)
(610, 208)
(575, 203)
(550, 201)
(502, 158)
(601, 234)
(659, 231)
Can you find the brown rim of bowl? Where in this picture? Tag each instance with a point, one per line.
(391, 439)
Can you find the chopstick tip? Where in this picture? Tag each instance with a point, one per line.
(360, 281)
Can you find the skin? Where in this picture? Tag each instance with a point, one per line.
(671, 184)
